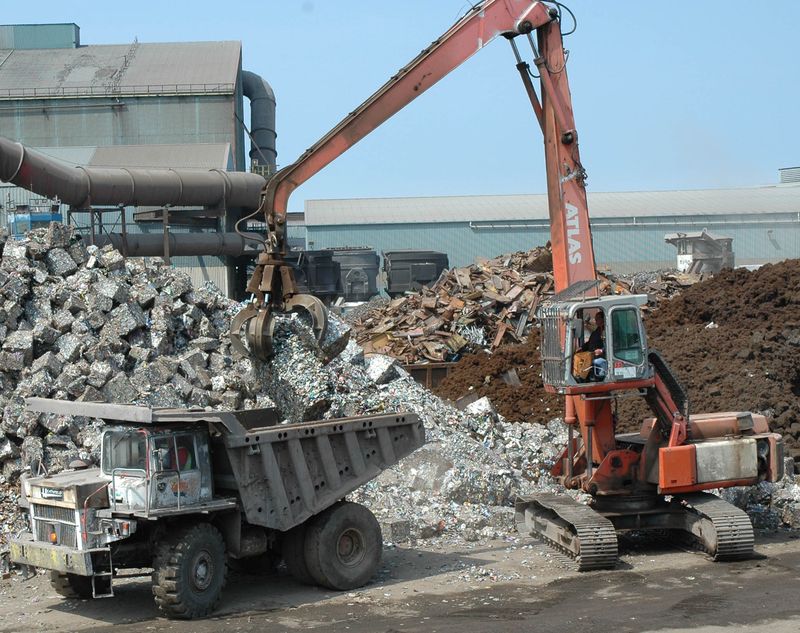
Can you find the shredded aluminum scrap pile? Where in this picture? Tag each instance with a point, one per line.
(81, 323)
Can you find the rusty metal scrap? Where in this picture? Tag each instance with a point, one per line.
(483, 306)
(466, 308)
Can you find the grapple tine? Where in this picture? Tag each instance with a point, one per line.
(257, 324)
(315, 309)
(239, 320)
(259, 333)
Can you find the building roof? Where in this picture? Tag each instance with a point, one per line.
(128, 69)
(628, 204)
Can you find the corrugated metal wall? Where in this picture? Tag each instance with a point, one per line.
(210, 118)
(129, 121)
(620, 245)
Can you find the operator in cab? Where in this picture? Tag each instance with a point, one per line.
(597, 339)
(596, 345)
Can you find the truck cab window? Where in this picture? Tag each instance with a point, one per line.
(187, 459)
(175, 452)
(123, 450)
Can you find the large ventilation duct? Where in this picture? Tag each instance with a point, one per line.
(82, 187)
(182, 244)
(262, 119)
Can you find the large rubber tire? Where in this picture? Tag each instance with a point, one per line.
(189, 571)
(293, 550)
(343, 546)
(71, 585)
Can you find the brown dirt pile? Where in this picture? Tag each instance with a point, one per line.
(748, 360)
(483, 372)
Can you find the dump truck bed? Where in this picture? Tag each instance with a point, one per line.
(281, 473)
(287, 473)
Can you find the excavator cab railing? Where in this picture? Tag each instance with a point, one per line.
(579, 358)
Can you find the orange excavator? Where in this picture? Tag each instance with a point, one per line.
(653, 479)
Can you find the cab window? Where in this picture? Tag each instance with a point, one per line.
(627, 340)
(175, 453)
(187, 460)
(123, 450)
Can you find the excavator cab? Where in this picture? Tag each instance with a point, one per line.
(593, 344)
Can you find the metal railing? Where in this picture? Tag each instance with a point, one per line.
(554, 360)
(63, 92)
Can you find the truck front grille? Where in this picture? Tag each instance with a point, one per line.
(54, 513)
(46, 518)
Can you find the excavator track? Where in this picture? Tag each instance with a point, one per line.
(572, 528)
(716, 527)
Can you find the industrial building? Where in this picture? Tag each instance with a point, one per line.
(628, 227)
(122, 106)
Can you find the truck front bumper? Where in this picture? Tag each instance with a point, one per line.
(26, 551)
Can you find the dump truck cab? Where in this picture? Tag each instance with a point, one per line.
(154, 469)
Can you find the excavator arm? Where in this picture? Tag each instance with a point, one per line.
(272, 284)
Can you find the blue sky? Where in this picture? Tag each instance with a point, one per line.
(667, 95)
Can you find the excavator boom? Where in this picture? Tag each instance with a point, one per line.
(272, 284)
(480, 26)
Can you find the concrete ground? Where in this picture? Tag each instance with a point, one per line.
(436, 587)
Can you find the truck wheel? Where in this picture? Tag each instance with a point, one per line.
(71, 585)
(343, 546)
(189, 571)
(293, 549)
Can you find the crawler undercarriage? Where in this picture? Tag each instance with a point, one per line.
(588, 533)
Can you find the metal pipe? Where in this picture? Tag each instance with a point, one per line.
(570, 452)
(181, 244)
(262, 118)
(82, 187)
(589, 450)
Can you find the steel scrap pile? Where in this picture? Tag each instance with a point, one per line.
(659, 285)
(483, 306)
(81, 323)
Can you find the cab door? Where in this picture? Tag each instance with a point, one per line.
(628, 353)
(176, 474)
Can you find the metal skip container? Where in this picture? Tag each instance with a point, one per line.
(358, 272)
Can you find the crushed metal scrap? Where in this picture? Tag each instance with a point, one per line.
(483, 306)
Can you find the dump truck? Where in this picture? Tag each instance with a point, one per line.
(185, 492)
